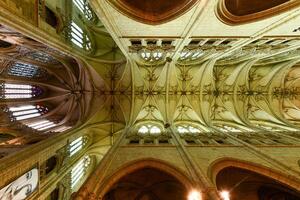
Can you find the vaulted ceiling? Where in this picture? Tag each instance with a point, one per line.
(212, 74)
(190, 67)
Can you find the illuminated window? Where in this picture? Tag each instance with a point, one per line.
(26, 70)
(226, 128)
(146, 54)
(26, 112)
(77, 145)
(79, 38)
(61, 129)
(149, 130)
(79, 171)
(41, 125)
(18, 91)
(151, 56)
(185, 129)
(84, 8)
(191, 54)
(157, 55)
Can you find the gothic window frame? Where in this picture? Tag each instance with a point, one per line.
(79, 37)
(149, 132)
(42, 125)
(188, 129)
(77, 145)
(154, 55)
(10, 90)
(26, 112)
(80, 171)
(26, 70)
(84, 8)
(189, 132)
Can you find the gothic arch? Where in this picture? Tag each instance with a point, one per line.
(225, 12)
(153, 12)
(141, 164)
(220, 164)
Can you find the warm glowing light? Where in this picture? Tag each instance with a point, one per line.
(194, 195)
(225, 195)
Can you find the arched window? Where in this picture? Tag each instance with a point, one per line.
(154, 55)
(19, 91)
(41, 125)
(61, 129)
(149, 130)
(226, 128)
(79, 171)
(41, 57)
(79, 37)
(84, 8)
(187, 129)
(26, 70)
(26, 112)
(187, 54)
(77, 145)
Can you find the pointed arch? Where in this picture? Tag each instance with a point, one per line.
(220, 164)
(139, 164)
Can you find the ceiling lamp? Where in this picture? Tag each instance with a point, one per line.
(194, 195)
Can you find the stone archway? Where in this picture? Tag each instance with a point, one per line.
(146, 180)
(249, 181)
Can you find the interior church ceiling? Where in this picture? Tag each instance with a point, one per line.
(192, 69)
(245, 84)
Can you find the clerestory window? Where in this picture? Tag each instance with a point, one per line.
(187, 129)
(77, 145)
(84, 8)
(26, 70)
(149, 130)
(79, 37)
(18, 91)
(26, 112)
(41, 125)
(79, 171)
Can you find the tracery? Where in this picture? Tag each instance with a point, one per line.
(19, 91)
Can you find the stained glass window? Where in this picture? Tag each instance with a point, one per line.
(41, 57)
(26, 70)
(79, 170)
(19, 91)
